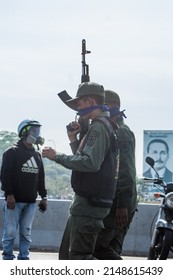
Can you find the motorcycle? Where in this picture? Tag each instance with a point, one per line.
(162, 237)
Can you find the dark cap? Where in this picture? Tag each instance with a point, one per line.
(112, 97)
(87, 89)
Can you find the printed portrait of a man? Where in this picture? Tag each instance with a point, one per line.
(159, 146)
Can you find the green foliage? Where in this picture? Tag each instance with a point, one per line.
(57, 180)
(7, 139)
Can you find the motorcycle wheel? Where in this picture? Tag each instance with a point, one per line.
(152, 254)
(154, 251)
(167, 243)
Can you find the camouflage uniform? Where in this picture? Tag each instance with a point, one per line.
(86, 219)
(110, 239)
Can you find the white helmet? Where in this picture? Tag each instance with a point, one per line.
(25, 123)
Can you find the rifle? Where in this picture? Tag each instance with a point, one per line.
(63, 95)
(85, 67)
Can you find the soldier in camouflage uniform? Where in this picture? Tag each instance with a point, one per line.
(94, 173)
(110, 240)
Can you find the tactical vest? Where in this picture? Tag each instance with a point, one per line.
(100, 187)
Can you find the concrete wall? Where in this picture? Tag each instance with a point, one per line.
(138, 238)
(48, 227)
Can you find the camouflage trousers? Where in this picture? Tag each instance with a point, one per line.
(110, 241)
(79, 238)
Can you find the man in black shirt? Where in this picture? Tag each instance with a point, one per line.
(22, 178)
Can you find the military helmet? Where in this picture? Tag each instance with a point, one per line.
(26, 123)
(87, 89)
(112, 97)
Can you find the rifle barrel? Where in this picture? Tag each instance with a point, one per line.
(85, 67)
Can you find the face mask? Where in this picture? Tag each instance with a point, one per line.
(34, 136)
(85, 111)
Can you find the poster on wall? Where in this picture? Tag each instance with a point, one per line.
(158, 144)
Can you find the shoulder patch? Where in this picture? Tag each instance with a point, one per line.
(92, 138)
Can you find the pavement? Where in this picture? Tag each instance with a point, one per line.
(54, 256)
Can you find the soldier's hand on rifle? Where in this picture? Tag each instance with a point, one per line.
(73, 129)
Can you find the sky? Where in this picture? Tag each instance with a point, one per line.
(131, 44)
